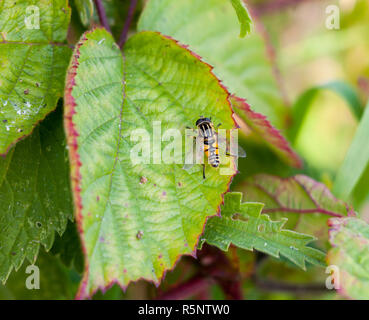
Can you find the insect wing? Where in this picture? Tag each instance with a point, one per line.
(231, 149)
(194, 149)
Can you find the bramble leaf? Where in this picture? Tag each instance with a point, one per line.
(210, 28)
(258, 125)
(243, 17)
(306, 203)
(33, 62)
(350, 253)
(243, 225)
(35, 198)
(136, 220)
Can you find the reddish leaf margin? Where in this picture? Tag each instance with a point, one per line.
(249, 120)
(75, 163)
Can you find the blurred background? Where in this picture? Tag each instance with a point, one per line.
(304, 55)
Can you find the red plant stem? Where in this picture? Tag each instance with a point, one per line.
(195, 285)
(127, 23)
(102, 15)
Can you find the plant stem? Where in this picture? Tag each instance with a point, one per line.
(127, 23)
(195, 285)
(102, 15)
(276, 286)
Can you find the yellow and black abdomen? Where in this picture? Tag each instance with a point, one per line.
(210, 143)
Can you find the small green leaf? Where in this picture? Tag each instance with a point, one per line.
(85, 9)
(350, 253)
(210, 28)
(33, 62)
(35, 197)
(243, 17)
(136, 220)
(243, 225)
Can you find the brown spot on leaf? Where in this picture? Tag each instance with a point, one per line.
(143, 180)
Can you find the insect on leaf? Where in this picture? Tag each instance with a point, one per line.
(137, 220)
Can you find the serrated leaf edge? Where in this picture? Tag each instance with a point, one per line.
(75, 164)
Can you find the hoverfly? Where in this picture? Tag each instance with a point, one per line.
(210, 144)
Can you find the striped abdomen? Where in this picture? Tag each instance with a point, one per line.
(210, 143)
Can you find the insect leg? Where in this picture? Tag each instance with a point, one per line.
(203, 171)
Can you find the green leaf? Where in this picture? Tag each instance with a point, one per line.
(243, 225)
(302, 106)
(356, 163)
(136, 220)
(306, 203)
(68, 248)
(257, 124)
(210, 28)
(350, 253)
(33, 63)
(243, 17)
(35, 197)
(85, 9)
